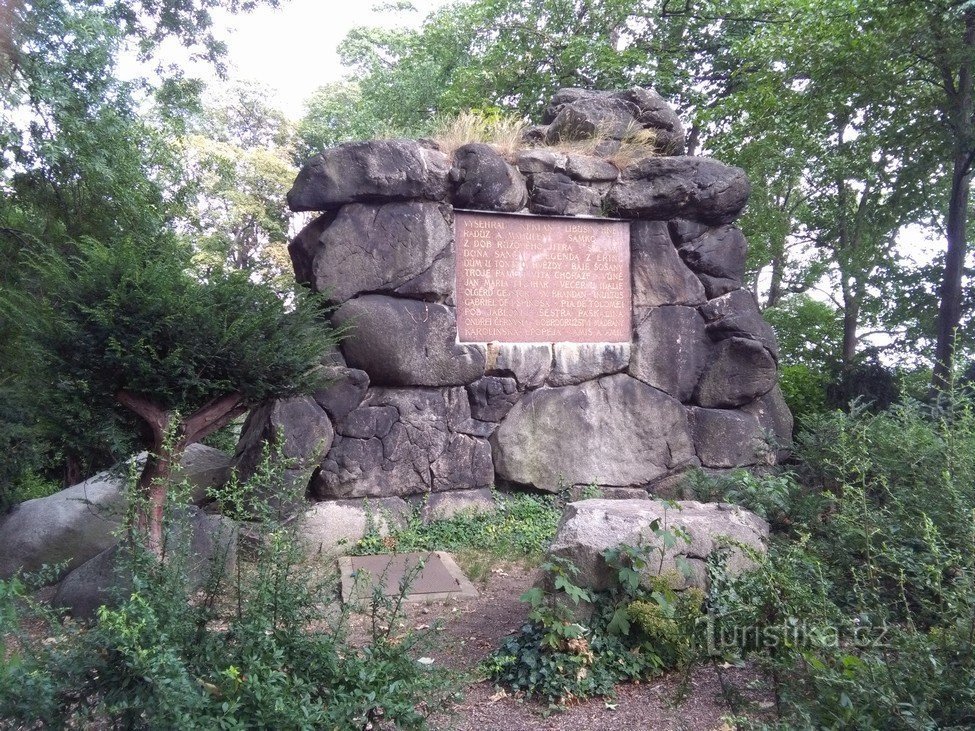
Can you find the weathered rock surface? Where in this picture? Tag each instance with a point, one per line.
(299, 425)
(541, 161)
(405, 442)
(529, 365)
(484, 180)
(333, 527)
(726, 438)
(591, 116)
(660, 188)
(736, 315)
(659, 276)
(379, 247)
(556, 194)
(443, 505)
(377, 170)
(345, 390)
(305, 247)
(670, 350)
(652, 112)
(576, 114)
(492, 397)
(738, 371)
(77, 523)
(590, 169)
(775, 420)
(577, 362)
(102, 579)
(589, 527)
(401, 342)
(716, 255)
(614, 431)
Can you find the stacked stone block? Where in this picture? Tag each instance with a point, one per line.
(414, 412)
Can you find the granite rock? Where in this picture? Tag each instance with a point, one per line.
(483, 180)
(738, 371)
(614, 431)
(556, 194)
(377, 170)
(379, 247)
(659, 276)
(660, 188)
(726, 437)
(670, 350)
(590, 527)
(405, 442)
(401, 342)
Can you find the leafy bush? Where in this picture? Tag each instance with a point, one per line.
(263, 648)
(578, 643)
(774, 496)
(521, 525)
(867, 620)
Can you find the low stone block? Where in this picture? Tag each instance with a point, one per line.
(590, 527)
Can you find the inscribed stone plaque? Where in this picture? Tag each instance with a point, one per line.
(532, 279)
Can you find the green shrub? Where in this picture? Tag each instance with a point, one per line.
(866, 620)
(522, 525)
(579, 644)
(265, 647)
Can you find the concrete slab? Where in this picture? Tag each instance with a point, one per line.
(429, 576)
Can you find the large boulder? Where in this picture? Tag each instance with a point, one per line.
(528, 364)
(577, 362)
(660, 188)
(736, 315)
(727, 437)
(377, 170)
(653, 113)
(578, 114)
(484, 180)
(102, 579)
(380, 247)
(406, 442)
(775, 419)
(75, 524)
(401, 342)
(299, 425)
(739, 371)
(613, 431)
(333, 527)
(696, 530)
(305, 247)
(716, 254)
(659, 275)
(670, 350)
(344, 392)
(593, 116)
(556, 194)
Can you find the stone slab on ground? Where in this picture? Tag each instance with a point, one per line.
(438, 578)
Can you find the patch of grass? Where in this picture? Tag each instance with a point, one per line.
(521, 527)
(491, 128)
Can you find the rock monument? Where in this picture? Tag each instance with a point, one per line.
(540, 318)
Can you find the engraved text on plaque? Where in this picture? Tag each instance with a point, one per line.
(530, 279)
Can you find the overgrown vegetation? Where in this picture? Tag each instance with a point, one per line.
(578, 643)
(263, 644)
(521, 526)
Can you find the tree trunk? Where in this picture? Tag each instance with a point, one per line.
(851, 316)
(775, 285)
(949, 309)
(166, 447)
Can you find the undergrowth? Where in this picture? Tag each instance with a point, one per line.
(261, 644)
(521, 526)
